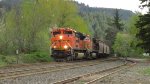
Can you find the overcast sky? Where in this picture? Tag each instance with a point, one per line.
(132, 5)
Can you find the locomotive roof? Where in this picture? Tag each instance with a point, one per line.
(67, 29)
(63, 29)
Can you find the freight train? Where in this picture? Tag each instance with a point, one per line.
(68, 44)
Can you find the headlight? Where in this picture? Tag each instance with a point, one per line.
(60, 37)
(54, 46)
(65, 46)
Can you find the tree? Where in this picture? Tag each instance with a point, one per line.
(117, 21)
(27, 24)
(143, 24)
(122, 44)
(97, 23)
(115, 26)
(126, 42)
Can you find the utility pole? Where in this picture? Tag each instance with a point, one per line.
(17, 57)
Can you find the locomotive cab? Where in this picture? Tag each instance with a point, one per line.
(62, 41)
(61, 38)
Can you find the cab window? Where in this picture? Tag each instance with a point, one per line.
(56, 33)
(67, 32)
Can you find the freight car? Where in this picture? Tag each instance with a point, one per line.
(68, 44)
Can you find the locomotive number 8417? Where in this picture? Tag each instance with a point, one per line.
(68, 44)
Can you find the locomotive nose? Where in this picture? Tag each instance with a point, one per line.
(60, 45)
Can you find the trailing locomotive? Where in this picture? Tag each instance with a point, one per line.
(68, 44)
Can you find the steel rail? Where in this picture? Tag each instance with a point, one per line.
(110, 73)
(28, 72)
(77, 78)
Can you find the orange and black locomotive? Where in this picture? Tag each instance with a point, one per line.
(68, 44)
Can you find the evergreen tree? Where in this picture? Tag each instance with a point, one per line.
(126, 42)
(144, 28)
(115, 25)
(117, 21)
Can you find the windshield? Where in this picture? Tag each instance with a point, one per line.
(67, 32)
(56, 33)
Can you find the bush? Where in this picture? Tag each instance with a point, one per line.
(8, 59)
(2, 62)
(36, 57)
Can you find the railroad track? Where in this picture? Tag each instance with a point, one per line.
(33, 71)
(92, 77)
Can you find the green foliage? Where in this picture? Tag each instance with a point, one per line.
(144, 31)
(145, 3)
(33, 57)
(27, 24)
(146, 71)
(78, 24)
(126, 42)
(122, 44)
(2, 62)
(132, 29)
(10, 59)
(6, 60)
(125, 14)
(143, 24)
(97, 23)
(102, 23)
(117, 21)
(115, 25)
(36, 57)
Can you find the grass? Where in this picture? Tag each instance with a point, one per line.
(36, 57)
(2, 63)
(147, 71)
(81, 82)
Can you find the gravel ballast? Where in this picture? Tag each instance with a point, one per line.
(132, 75)
(48, 78)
